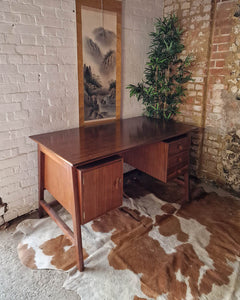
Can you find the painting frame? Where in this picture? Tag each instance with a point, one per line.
(102, 5)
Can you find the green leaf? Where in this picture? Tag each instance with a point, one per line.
(162, 89)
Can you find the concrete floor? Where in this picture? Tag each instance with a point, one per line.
(18, 282)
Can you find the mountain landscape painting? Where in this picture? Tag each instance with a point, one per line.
(99, 63)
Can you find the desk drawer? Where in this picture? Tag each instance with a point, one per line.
(177, 156)
(177, 161)
(178, 145)
(178, 172)
(101, 187)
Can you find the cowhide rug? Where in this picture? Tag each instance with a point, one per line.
(147, 249)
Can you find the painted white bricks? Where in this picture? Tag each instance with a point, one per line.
(34, 84)
(38, 82)
(30, 49)
(25, 8)
(49, 3)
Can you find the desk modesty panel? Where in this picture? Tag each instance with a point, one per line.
(83, 167)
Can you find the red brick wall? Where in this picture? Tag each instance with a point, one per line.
(212, 34)
(222, 108)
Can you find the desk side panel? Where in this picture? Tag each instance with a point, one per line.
(58, 180)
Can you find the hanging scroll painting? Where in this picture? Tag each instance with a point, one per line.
(99, 60)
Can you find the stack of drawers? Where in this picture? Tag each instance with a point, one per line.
(177, 156)
(165, 160)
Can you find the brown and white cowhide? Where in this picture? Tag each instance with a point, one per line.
(147, 249)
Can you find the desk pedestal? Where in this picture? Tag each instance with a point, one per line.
(86, 193)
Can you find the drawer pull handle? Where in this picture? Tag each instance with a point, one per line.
(179, 172)
(180, 147)
(180, 159)
(118, 182)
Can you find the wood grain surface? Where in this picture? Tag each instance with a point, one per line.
(81, 145)
(101, 188)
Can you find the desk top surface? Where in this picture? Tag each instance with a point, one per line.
(81, 145)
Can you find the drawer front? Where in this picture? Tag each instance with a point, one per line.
(178, 146)
(101, 188)
(178, 156)
(177, 161)
(178, 172)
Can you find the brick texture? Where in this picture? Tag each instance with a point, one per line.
(38, 82)
(38, 90)
(212, 35)
(195, 19)
(222, 111)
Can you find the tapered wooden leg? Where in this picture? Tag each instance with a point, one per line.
(76, 217)
(186, 174)
(186, 186)
(40, 182)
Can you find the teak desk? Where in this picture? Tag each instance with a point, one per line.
(83, 167)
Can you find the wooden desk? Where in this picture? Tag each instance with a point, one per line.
(83, 167)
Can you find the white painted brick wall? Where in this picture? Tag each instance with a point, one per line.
(38, 82)
(38, 89)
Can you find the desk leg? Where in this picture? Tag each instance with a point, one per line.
(186, 186)
(40, 181)
(76, 217)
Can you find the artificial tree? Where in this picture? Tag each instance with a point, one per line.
(166, 72)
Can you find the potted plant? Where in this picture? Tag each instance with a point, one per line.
(166, 72)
